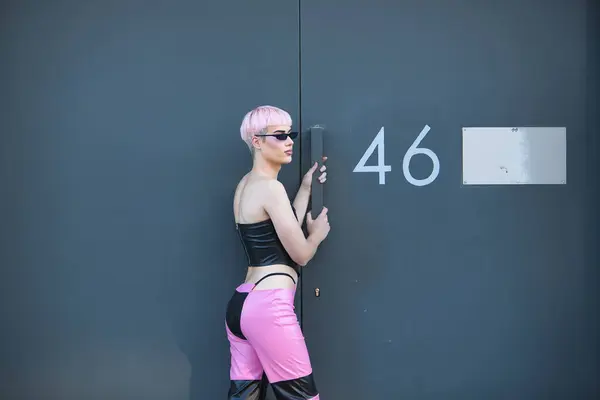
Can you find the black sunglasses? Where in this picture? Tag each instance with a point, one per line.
(282, 136)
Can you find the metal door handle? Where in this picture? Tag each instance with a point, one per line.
(316, 154)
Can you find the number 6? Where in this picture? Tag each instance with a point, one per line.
(412, 151)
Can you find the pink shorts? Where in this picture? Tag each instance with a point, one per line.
(267, 346)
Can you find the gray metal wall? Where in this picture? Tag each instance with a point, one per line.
(119, 154)
(593, 154)
(449, 291)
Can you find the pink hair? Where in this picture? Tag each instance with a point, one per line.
(257, 120)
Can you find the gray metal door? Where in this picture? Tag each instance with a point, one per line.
(120, 148)
(430, 288)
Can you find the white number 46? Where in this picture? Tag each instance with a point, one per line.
(413, 150)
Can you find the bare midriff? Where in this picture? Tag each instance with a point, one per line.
(272, 282)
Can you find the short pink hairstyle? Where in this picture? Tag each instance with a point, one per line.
(257, 121)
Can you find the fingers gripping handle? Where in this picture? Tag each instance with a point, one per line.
(316, 154)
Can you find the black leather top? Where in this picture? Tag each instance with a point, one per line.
(262, 245)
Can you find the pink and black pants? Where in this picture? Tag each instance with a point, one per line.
(267, 345)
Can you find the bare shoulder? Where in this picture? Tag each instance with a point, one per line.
(273, 191)
(274, 186)
(238, 191)
(242, 182)
(239, 186)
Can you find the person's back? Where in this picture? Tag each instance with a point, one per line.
(266, 343)
(258, 235)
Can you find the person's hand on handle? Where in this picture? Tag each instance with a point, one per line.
(307, 179)
(319, 227)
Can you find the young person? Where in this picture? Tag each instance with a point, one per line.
(266, 343)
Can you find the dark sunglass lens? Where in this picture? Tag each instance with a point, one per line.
(284, 136)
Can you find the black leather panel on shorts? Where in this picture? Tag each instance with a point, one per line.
(296, 389)
(234, 313)
(248, 390)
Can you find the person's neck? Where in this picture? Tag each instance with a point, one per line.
(265, 168)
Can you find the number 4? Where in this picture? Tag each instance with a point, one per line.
(380, 167)
(412, 151)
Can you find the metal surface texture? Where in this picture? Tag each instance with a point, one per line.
(429, 288)
(120, 135)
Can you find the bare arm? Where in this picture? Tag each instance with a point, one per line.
(303, 195)
(278, 206)
(301, 203)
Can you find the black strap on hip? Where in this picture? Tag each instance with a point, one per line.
(272, 274)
